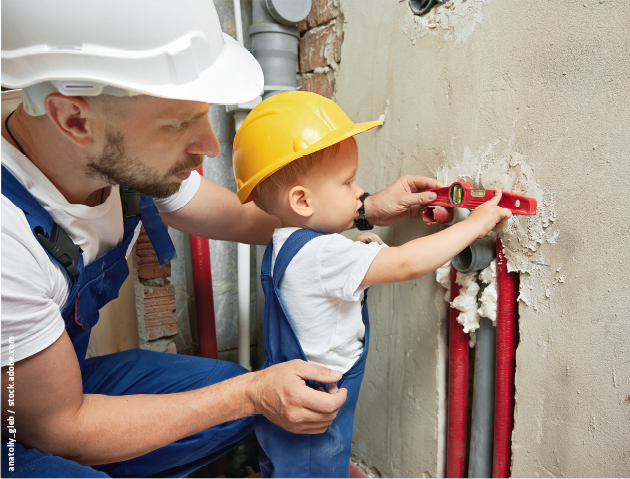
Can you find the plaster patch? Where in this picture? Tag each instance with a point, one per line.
(488, 298)
(466, 301)
(384, 115)
(457, 19)
(443, 277)
(523, 235)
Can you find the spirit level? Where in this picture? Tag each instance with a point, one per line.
(462, 194)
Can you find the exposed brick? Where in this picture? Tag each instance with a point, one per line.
(148, 264)
(319, 47)
(160, 319)
(320, 83)
(159, 291)
(322, 11)
(154, 270)
(160, 331)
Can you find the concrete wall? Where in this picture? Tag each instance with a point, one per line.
(532, 97)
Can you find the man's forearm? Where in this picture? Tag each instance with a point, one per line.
(216, 213)
(109, 429)
(57, 418)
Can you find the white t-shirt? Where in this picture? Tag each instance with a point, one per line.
(321, 291)
(34, 289)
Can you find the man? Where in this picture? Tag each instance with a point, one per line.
(116, 93)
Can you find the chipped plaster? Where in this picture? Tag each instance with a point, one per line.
(528, 96)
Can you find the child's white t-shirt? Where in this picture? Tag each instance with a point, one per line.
(322, 292)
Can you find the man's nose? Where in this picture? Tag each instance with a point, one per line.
(204, 142)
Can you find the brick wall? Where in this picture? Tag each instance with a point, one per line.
(319, 51)
(155, 300)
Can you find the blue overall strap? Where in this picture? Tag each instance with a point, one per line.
(285, 454)
(281, 342)
(52, 237)
(156, 231)
(290, 248)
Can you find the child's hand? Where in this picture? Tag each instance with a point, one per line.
(368, 238)
(489, 216)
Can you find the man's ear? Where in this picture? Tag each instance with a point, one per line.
(73, 117)
(300, 201)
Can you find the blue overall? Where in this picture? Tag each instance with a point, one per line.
(128, 372)
(285, 454)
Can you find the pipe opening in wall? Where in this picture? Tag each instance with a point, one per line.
(475, 257)
(420, 7)
(464, 259)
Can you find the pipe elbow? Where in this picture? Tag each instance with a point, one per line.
(437, 215)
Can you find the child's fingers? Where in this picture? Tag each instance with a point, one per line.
(497, 197)
(505, 217)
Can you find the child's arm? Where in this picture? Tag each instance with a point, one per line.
(423, 255)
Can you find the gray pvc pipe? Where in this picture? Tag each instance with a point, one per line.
(482, 435)
(475, 257)
(275, 46)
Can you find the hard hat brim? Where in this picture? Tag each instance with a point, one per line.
(336, 136)
(234, 77)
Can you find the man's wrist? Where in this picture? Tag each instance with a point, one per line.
(362, 222)
(370, 210)
(252, 392)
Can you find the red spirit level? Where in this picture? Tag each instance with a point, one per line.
(463, 195)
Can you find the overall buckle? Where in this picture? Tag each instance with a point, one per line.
(130, 201)
(61, 247)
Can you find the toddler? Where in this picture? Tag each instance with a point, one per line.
(296, 158)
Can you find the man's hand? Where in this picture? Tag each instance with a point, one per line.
(282, 396)
(403, 199)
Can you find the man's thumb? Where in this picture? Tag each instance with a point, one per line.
(321, 374)
(423, 199)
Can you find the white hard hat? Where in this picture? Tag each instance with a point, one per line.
(163, 48)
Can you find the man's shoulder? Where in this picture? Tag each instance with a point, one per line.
(13, 219)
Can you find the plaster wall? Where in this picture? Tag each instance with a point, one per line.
(532, 97)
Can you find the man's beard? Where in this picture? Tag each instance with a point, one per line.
(116, 168)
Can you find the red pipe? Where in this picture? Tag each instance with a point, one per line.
(457, 389)
(437, 215)
(204, 300)
(507, 328)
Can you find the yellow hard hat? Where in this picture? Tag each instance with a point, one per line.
(284, 128)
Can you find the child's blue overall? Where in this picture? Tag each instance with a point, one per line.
(285, 454)
(128, 372)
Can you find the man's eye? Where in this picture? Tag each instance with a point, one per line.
(177, 125)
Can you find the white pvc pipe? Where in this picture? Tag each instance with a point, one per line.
(243, 305)
(244, 272)
(238, 21)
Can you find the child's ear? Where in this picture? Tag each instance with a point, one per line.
(300, 201)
